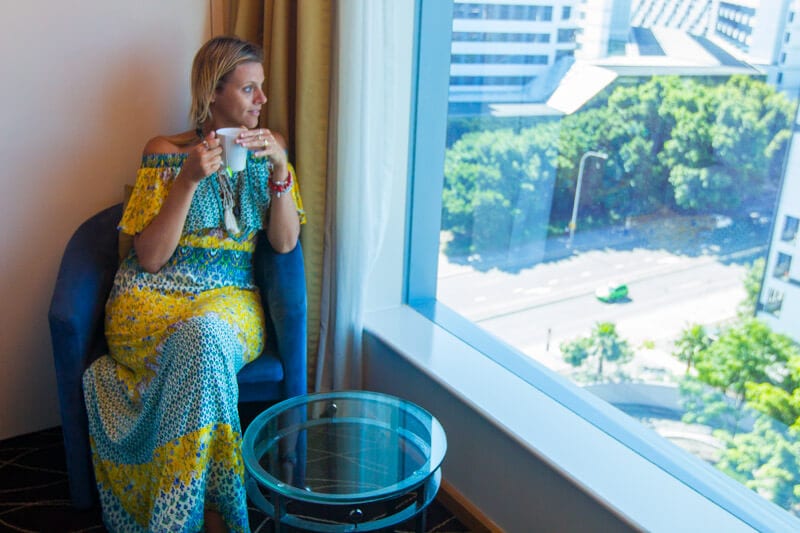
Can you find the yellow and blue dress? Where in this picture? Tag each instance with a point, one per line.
(162, 405)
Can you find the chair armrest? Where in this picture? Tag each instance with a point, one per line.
(81, 289)
(282, 280)
(76, 321)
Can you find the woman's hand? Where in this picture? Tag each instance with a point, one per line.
(203, 159)
(265, 143)
(283, 227)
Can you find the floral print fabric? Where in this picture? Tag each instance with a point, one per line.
(162, 405)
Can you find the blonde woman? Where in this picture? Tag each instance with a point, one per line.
(184, 315)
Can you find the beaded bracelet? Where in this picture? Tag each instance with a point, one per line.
(280, 187)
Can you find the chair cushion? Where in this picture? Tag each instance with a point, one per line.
(267, 368)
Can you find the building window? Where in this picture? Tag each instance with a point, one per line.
(590, 243)
(790, 226)
(561, 54)
(500, 37)
(773, 303)
(498, 59)
(782, 266)
(566, 12)
(566, 36)
(490, 80)
(502, 12)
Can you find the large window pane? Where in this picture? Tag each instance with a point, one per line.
(620, 214)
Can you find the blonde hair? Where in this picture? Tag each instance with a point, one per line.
(212, 64)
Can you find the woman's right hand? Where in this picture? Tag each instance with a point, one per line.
(203, 159)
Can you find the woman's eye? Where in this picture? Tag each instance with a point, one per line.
(248, 89)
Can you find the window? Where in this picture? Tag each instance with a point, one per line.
(476, 10)
(782, 266)
(566, 35)
(500, 37)
(498, 59)
(790, 225)
(773, 303)
(597, 242)
(566, 12)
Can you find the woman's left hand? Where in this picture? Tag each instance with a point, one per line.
(265, 144)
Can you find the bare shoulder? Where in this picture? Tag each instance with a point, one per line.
(160, 145)
(164, 144)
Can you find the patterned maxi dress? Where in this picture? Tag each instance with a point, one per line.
(162, 405)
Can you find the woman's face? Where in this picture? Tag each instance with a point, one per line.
(239, 101)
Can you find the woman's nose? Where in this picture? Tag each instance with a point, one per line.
(261, 98)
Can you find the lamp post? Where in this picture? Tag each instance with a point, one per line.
(573, 220)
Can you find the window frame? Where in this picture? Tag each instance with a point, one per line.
(425, 187)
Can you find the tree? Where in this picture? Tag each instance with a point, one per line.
(752, 286)
(692, 341)
(745, 353)
(726, 145)
(687, 144)
(748, 388)
(766, 460)
(497, 185)
(603, 344)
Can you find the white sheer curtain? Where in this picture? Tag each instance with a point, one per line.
(364, 132)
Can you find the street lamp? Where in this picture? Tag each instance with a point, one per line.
(572, 222)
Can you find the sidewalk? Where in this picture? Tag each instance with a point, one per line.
(694, 235)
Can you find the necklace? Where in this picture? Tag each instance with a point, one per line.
(228, 202)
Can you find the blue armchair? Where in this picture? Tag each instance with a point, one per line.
(76, 327)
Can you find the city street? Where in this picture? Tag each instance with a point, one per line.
(536, 308)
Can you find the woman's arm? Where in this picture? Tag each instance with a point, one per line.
(283, 227)
(283, 222)
(157, 242)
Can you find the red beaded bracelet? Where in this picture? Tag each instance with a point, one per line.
(280, 187)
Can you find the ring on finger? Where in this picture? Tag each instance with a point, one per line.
(266, 144)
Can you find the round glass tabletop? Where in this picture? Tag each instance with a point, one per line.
(343, 447)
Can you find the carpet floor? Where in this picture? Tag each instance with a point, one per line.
(34, 493)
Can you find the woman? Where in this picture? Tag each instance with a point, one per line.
(184, 315)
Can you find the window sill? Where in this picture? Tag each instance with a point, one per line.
(619, 478)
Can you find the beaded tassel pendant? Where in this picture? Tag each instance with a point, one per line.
(231, 226)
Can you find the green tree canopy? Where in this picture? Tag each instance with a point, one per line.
(602, 344)
(687, 144)
(746, 353)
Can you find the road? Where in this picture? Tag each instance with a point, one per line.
(537, 308)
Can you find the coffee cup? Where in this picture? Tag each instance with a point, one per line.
(234, 156)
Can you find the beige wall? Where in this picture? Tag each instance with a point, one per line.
(84, 85)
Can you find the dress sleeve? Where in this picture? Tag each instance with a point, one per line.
(152, 186)
(298, 201)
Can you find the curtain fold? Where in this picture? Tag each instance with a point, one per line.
(336, 112)
(364, 94)
(297, 39)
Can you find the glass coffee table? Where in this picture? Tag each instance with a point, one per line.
(344, 461)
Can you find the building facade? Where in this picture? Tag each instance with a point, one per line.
(779, 300)
(509, 51)
(765, 33)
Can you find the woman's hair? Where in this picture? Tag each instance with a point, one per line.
(212, 64)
